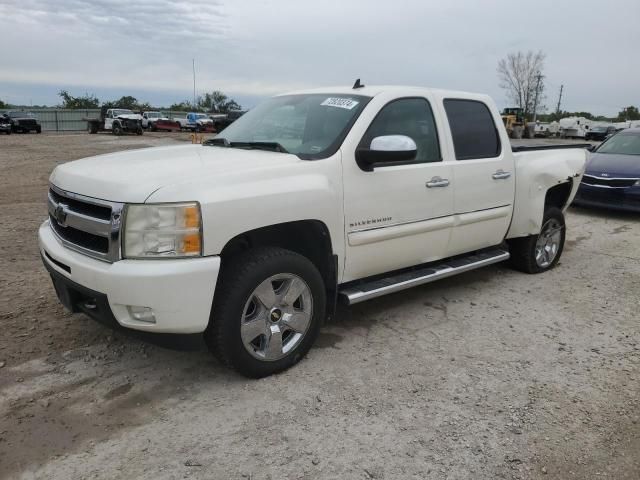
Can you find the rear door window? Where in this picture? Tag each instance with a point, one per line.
(472, 128)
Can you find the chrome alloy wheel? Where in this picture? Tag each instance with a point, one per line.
(276, 316)
(548, 243)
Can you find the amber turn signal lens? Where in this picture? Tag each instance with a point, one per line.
(191, 216)
(191, 243)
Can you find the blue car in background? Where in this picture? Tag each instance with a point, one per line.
(612, 176)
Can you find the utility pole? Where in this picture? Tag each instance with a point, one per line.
(194, 83)
(539, 77)
(559, 100)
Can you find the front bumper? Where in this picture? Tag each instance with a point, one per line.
(626, 199)
(180, 291)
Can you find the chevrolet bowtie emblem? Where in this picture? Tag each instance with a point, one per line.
(60, 214)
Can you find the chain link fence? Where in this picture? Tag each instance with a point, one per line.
(67, 120)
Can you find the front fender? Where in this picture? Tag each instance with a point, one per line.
(236, 203)
(536, 173)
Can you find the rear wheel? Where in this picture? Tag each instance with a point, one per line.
(539, 253)
(267, 311)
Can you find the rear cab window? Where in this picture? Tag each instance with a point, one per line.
(473, 130)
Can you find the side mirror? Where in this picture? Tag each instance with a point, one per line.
(591, 148)
(386, 150)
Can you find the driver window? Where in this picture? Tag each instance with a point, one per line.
(411, 117)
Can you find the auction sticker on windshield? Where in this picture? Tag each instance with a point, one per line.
(340, 103)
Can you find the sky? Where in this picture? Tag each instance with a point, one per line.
(251, 49)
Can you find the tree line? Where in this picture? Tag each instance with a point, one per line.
(214, 102)
(521, 77)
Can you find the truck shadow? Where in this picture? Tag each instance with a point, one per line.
(434, 298)
(605, 213)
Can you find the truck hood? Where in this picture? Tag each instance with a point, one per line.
(130, 117)
(132, 176)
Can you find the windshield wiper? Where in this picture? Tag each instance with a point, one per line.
(217, 141)
(269, 146)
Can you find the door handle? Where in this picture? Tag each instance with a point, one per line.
(437, 182)
(501, 175)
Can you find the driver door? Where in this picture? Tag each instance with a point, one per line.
(108, 121)
(398, 215)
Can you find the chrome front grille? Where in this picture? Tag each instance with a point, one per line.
(84, 224)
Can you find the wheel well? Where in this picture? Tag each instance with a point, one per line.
(558, 195)
(309, 238)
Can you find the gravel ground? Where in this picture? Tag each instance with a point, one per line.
(491, 374)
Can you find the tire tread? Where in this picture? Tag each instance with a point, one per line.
(522, 250)
(231, 279)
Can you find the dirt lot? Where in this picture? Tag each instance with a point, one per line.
(493, 374)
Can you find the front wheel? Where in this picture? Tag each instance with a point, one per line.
(116, 129)
(268, 308)
(539, 253)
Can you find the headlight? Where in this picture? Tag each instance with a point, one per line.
(637, 184)
(162, 230)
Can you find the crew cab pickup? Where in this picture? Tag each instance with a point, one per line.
(23, 122)
(149, 119)
(155, 121)
(309, 198)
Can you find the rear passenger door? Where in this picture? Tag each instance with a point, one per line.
(483, 174)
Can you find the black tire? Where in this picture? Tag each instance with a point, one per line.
(139, 131)
(8, 132)
(93, 128)
(39, 130)
(523, 250)
(238, 280)
(116, 128)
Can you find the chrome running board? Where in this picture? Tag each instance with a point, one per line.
(367, 290)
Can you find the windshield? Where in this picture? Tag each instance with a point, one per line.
(308, 125)
(153, 114)
(201, 115)
(599, 129)
(122, 111)
(20, 115)
(623, 144)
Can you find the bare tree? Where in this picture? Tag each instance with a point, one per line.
(521, 78)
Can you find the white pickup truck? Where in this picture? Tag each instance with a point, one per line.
(149, 119)
(310, 198)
